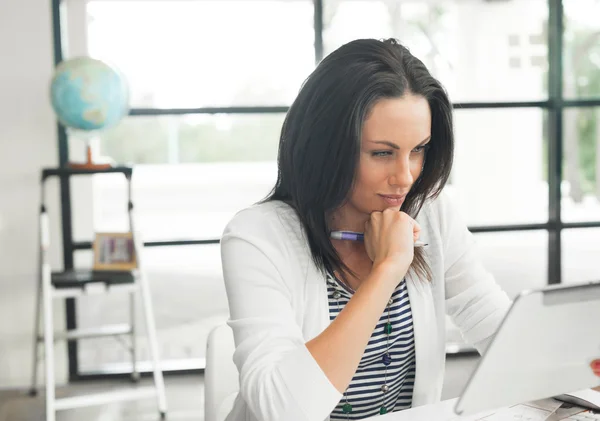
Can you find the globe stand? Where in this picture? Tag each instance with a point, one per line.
(89, 165)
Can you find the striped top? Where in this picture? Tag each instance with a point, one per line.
(365, 390)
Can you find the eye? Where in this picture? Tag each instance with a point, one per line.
(381, 153)
(422, 148)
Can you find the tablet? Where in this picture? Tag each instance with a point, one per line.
(542, 348)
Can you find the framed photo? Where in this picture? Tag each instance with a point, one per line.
(114, 251)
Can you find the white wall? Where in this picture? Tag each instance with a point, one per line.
(27, 143)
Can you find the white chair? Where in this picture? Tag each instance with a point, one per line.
(221, 378)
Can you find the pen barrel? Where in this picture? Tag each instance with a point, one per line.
(352, 236)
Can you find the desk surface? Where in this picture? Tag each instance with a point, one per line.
(443, 411)
(437, 412)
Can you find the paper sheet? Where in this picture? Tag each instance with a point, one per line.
(565, 413)
(532, 411)
(583, 416)
(521, 412)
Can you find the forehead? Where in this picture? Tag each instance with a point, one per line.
(405, 119)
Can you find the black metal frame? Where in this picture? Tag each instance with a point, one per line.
(65, 200)
(555, 106)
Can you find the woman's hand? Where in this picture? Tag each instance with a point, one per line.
(596, 367)
(389, 240)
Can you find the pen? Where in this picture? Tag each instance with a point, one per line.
(359, 236)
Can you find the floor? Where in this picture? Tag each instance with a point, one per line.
(185, 397)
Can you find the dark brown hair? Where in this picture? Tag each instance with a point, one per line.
(319, 148)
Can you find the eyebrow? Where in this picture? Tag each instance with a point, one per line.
(393, 145)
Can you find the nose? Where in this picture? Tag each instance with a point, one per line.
(401, 174)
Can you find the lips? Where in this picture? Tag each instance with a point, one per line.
(393, 199)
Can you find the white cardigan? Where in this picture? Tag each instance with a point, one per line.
(278, 302)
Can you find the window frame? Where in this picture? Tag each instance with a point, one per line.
(555, 105)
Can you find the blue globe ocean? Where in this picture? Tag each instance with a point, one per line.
(88, 94)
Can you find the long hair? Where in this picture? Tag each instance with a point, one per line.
(319, 147)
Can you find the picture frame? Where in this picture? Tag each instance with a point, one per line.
(114, 251)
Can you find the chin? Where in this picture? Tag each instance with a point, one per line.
(377, 207)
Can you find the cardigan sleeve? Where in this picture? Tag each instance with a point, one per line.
(474, 301)
(279, 378)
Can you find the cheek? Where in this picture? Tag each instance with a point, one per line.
(370, 175)
(368, 179)
(416, 166)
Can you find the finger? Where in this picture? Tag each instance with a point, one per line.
(596, 367)
(416, 225)
(416, 231)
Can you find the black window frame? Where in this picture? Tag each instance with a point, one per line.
(555, 106)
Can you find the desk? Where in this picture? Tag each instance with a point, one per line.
(542, 409)
(442, 411)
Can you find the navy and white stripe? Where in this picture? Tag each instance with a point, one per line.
(364, 392)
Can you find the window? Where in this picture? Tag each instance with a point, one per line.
(506, 61)
(581, 249)
(211, 81)
(581, 75)
(581, 163)
(183, 202)
(517, 260)
(193, 54)
(194, 138)
(499, 176)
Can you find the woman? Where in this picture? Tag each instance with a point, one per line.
(327, 328)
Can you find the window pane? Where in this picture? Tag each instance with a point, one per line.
(205, 53)
(581, 59)
(580, 251)
(581, 160)
(517, 260)
(499, 172)
(194, 138)
(507, 60)
(230, 163)
(189, 299)
(178, 202)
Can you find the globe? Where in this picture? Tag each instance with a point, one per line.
(88, 94)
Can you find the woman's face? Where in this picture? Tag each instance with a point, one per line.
(392, 153)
